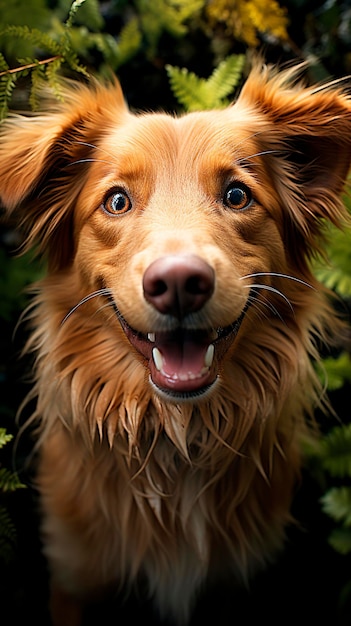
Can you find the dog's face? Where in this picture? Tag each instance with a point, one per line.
(173, 221)
(192, 229)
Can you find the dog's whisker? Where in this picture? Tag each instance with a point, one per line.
(272, 290)
(279, 275)
(91, 145)
(266, 303)
(91, 160)
(94, 294)
(257, 154)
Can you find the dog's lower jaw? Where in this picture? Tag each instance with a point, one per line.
(179, 397)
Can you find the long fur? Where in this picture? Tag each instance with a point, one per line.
(136, 484)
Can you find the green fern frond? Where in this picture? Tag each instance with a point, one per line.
(3, 63)
(5, 437)
(76, 4)
(335, 371)
(336, 275)
(34, 36)
(86, 12)
(169, 16)
(9, 481)
(337, 504)
(199, 94)
(189, 89)
(226, 76)
(129, 42)
(8, 535)
(340, 540)
(335, 451)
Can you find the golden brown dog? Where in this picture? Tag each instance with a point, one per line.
(175, 328)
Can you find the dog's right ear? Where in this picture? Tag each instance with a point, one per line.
(44, 160)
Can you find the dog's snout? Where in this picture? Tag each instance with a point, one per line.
(178, 284)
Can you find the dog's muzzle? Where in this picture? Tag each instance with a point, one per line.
(183, 363)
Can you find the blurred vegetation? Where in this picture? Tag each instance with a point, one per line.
(174, 55)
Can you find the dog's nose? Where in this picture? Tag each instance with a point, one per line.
(178, 284)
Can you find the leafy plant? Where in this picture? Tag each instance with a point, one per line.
(9, 482)
(246, 19)
(333, 455)
(197, 94)
(60, 51)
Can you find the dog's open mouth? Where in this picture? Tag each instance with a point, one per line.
(184, 363)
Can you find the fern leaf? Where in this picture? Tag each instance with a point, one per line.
(5, 437)
(76, 4)
(88, 13)
(9, 481)
(336, 502)
(8, 535)
(129, 42)
(199, 94)
(52, 77)
(7, 85)
(335, 449)
(3, 63)
(34, 36)
(187, 88)
(340, 540)
(337, 275)
(226, 76)
(37, 77)
(336, 371)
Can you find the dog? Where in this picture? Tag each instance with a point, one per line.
(176, 328)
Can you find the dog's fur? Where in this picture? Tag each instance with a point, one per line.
(160, 476)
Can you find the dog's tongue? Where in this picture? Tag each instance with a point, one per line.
(181, 362)
(180, 357)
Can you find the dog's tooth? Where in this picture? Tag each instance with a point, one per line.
(151, 337)
(209, 355)
(158, 358)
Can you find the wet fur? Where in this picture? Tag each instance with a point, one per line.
(134, 486)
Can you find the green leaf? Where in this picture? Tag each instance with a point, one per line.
(9, 481)
(128, 42)
(5, 437)
(340, 540)
(335, 451)
(226, 76)
(335, 371)
(336, 275)
(198, 94)
(336, 502)
(8, 535)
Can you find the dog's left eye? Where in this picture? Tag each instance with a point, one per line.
(237, 197)
(117, 203)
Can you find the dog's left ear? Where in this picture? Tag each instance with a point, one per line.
(305, 134)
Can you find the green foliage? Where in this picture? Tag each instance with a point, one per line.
(336, 371)
(8, 535)
(333, 456)
(9, 482)
(17, 273)
(169, 16)
(198, 94)
(335, 452)
(4, 437)
(60, 51)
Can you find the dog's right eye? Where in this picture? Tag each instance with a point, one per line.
(237, 196)
(117, 203)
